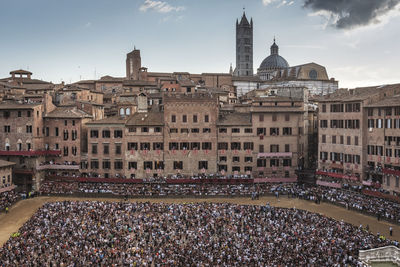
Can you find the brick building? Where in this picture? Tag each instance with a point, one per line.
(345, 134)
(383, 143)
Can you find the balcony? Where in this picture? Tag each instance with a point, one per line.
(30, 153)
(57, 167)
(275, 155)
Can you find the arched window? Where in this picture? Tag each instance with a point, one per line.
(128, 111)
(121, 111)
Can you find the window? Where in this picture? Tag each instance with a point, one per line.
(94, 133)
(173, 118)
(235, 130)
(28, 113)
(206, 130)
(274, 117)
(148, 165)
(178, 165)
(206, 145)
(56, 131)
(29, 129)
(324, 108)
(173, 146)
(222, 146)
(132, 129)
(106, 165)
(195, 145)
(274, 163)
(323, 139)
(66, 123)
(117, 133)
(73, 122)
(74, 134)
(287, 162)
(261, 131)
(145, 146)
(158, 146)
(370, 112)
(287, 147)
(206, 118)
(184, 118)
(94, 164)
(235, 146)
(195, 118)
(248, 145)
(341, 139)
(157, 129)
(261, 162)
(195, 130)
(287, 117)
(184, 145)
(94, 149)
(65, 151)
(106, 134)
(235, 159)
(356, 140)
(7, 128)
(65, 134)
(19, 114)
(118, 165)
(223, 130)
(145, 129)
(261, 117)
(274, 131)
(261, 148)
(106, 149)
(324, 123)
(132, 165)
(274, 148)
(333, 139)
(248, 159)
(173, 130)
(203, 165)
(248, 130)
(132, 146)
(222, 158)
(287, 131)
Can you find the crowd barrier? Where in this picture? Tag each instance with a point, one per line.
(329, 184)
(381, 195)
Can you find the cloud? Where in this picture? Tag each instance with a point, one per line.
(88, 25)
(159, 6)
(279, 3)
(349, 14)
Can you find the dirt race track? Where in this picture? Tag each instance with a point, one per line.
(24, 209)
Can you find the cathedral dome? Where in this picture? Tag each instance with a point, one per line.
(274, 61)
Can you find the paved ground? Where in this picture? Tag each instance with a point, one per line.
(24, 209)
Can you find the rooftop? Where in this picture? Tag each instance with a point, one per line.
(67, 112)
(235, 119)
(151, 118)
(4, 163)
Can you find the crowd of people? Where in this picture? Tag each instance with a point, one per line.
(87, 233)
(351, 197)
(7, 199)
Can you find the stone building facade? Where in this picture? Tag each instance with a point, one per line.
(347, 133)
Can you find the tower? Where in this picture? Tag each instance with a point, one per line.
(133, 64)
(244, 47)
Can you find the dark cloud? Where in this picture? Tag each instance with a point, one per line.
(347, 14)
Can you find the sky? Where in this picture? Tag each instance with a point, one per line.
(356, 40)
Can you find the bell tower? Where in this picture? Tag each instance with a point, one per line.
(133, 64)
(244, 47)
